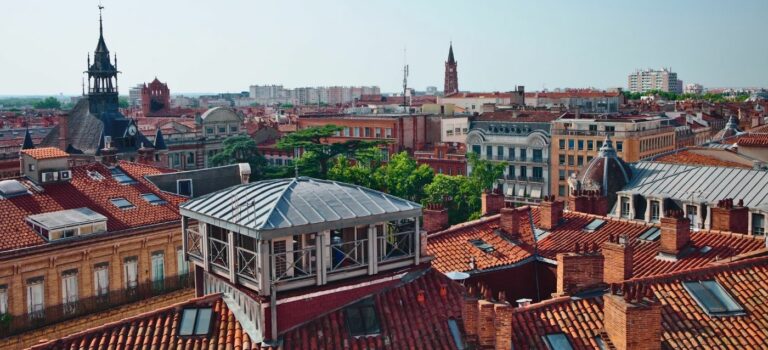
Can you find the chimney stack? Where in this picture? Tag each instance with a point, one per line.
(63, 130)
(492, 202)
(729, 217)
(579, 270)
(551, 212)
(108, 153)
(514, 222)
(675, 233)
(245, 172)
(632, 320)
(435, 217)
(487, 323)
(618, 259)
(503, 325)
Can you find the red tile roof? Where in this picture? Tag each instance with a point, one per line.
(688, 157)
(452, 249)
(753, 140)
(684, 324)
(481, 95)
(45, 153)
(520, 116)
(586, 93)
(159, 330)
(84, 191)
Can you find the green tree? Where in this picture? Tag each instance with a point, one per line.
(459, 194)
(240, 149)
(487, 173)
(405, 178)
(343, 170)
(314, 141)
(48, 103)
(122, 102)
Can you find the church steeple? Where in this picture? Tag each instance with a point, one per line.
(102, 77)
(451, 74)
(450, 54)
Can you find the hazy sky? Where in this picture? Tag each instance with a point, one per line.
(227, 45)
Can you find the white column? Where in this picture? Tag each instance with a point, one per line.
(184, 223)
(232, 257)
(266, 267)
(647, 209)
(417, 242)
(749, 223)
(372, 261)
(203, 228)
(319, 259)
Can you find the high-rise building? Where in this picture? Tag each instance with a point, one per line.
(451, 74)
(693, 88)
(649, 79)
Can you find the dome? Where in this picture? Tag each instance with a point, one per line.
(730, 129)
(219, 114)
(607, 172)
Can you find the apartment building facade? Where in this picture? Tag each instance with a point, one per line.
(577, 139)
(650, 79)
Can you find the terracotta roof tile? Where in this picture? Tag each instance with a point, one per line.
(45, 153)
(753, 140)
(85, 191)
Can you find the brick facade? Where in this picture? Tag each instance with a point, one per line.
(618, 260)
(632, 325)
(675, 234)
(577, 272)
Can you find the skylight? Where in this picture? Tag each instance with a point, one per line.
(196, 321)
(121, 177)
(153, 199)
(557, 341)
(713, 298)
(482, 245)
(651, 234)
(594, 225)
(361, 318)
(453, 326)
(122, 203)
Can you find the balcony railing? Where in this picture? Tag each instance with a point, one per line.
(395, 246)
(218, 253)
(248, 265)
(295, 264)
(12, 325)
(348, 255)
(194, 243)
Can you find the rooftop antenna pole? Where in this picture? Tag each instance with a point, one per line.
(295, 162)
(405, 80)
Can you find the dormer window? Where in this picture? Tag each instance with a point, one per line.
(67, 223)
(361, 318)
(713, 298)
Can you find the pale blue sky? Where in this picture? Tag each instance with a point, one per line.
(218, 46)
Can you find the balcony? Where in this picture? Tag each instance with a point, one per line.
(13, 325)
(524, 179)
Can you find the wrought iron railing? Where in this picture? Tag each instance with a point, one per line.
(348, 255)
(218, 253)
(12, 325)
(295, 264)
(395, 246)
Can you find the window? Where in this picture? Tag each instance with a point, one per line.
(655, 209)
(581, 145)
(357, 132)
(378, 133)
(482, 245)
(222, 129)
(388, 133)
(131, 272)
(593, 225)
(691, 211)
(101, 279)
(619, 146)
(152, 198)
(570, 144)
(511, 171)
(570, 160)
(561, 190)
(489, 152)
(174, 159)
(233, 128)
(713, 298)
(476, 149)
(209, 130)
(562, 144)
(580, 160)
(537, 155)
(190, 158)
(196, 321)
(590, 145)
(361, 318)
(599, 144)
(511, 153)
(500, 152)
(561, 159)
(367, 132)
(31, 167)
(3, 299)
(35, 299)
(69, 290)
(651, 234)
(592, 127)
(158, 269)
(181, 263)
(523, 153)
(523, 171)
(538, 172)
(561, 174)
(184, 187)
(453, 326)
(122, 203)
(758, 224)
(557, 341)
(346, 132)
(624, 207)
(121, 177)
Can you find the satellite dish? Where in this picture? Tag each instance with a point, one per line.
(457, 276)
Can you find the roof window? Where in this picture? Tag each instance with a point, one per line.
(453, 326)
(650, 235)
(67, 223)
(557, 341)
(713, 298)
(362, 319)
(482, 245)
(122, 203)
(121, 177)
(593, 225)
(153, 199)
(196, 321)
(12, 188)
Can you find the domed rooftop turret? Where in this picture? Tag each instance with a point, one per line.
(606, 173)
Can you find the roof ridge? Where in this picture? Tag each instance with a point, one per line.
(140, 316)
(544, 303)
(717, 267)
(274, 205)
(451, 229)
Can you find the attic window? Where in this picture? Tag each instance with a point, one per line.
(557, 341)
(196, 321)
(650, 235)
(713, 298)
(594, 225)
(453, 326)
(122, 203)
(361, 318)
(482, 245)
(153, 199)
(121, 177)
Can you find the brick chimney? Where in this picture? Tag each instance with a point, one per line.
(146, 154)
(579, 270)
(435, 217)
(492, 202)
(469, 315)
(729, 217)
(632, 320)
(487, 323)
(515, 223)
(108, 153)
(618, 259)
(503, 326)
(675, 233)
(551, 212)
(578, 202)
(486, 327)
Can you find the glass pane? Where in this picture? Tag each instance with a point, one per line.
(187, 322)
(705, 298)
(718, 291)
(370, 320)
(558, 341)
(354, 321)
(203, 321)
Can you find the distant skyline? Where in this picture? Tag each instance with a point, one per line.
(203, 46)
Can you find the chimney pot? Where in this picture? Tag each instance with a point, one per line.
(523, 302)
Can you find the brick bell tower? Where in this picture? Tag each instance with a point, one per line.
(451, 74)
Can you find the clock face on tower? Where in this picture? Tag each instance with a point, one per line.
(132, 130)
